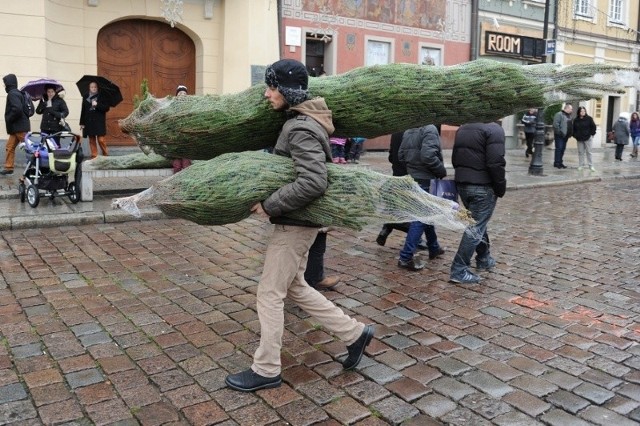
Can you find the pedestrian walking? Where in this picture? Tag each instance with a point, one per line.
(530, 120)
(421, 153)
(562, 131)
(634, 127)
(305, 139)
(621, 132)
(398, 168)
(16, 120)
(93, 120)
(337, 150)
(478, 160)
(179, 164)
(584, 128)
(357, 144)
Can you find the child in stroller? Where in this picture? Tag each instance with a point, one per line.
(50, 161)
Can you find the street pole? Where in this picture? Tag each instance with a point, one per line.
(536, 167)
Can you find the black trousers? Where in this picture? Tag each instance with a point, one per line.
(315, 263)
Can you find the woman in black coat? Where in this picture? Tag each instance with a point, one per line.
(93, 120)
(53, 109)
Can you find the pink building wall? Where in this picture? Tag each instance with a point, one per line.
(408, 24)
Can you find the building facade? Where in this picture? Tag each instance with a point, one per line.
(213, 47)
(601, 31)
(335, 36)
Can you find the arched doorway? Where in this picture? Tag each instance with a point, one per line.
(132, 50)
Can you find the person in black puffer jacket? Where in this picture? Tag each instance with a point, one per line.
(584, 128)
(478, 160)
(53, 109)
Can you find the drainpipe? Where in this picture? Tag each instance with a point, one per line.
(279, 12)
(474, 30)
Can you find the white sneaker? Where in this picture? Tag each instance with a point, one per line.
(593, 169)
(580, 168)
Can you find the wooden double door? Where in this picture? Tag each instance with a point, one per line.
(133, 50)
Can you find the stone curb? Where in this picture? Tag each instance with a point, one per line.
(76, 219)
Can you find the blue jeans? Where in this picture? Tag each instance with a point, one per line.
(414, 234)
(480, 200)
(561, 145)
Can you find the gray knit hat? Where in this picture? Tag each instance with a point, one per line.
(291, 78)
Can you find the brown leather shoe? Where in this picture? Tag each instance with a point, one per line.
(328, 283)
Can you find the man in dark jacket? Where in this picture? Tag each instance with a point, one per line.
(16, 120)
(562, 131)
(305, 139)
(478, 159)
(420, 151)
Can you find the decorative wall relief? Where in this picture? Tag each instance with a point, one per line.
(424, 14)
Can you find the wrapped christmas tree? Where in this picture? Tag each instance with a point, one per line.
(223, 190)
(368, 101)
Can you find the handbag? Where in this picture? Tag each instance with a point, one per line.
(65, 125)
(444, 188)
(611, 136)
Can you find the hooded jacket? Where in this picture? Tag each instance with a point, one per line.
(304, 139)
(51, 115)
(622, 131)
(478, 156)
(14, 117)
(420, 151)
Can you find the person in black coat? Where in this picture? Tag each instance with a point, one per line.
(584, 128)
(53, 109)
(478, 160)
(93, 120)
(16, 120)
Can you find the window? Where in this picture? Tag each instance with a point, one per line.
(615, 11)
(430, 56)
(583, 7)
(378, 52)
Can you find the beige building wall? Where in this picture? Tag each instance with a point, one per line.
(57, 39)
(594, 38)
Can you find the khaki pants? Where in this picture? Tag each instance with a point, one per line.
(12, 143)
(94, 148)
(283, 276)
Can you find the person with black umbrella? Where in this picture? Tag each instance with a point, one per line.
(93, 121)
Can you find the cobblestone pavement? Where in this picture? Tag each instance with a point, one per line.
(140, 322)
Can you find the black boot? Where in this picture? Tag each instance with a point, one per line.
(382, 236)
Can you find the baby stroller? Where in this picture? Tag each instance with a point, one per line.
(51, 159)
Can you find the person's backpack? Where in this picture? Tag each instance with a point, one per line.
(27, 104)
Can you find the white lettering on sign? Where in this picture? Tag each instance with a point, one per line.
(503, 43)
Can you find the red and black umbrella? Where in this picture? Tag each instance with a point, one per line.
(108, 91)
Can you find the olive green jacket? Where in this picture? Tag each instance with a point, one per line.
(305, 139)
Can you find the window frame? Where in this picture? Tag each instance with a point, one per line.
(388, 41)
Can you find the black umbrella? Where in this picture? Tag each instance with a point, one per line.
(37, 87)
(108, 91)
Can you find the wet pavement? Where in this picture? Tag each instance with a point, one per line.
(118, 321)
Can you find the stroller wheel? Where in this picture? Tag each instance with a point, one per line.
(22, 191)
(74, 195)
(33, 196)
